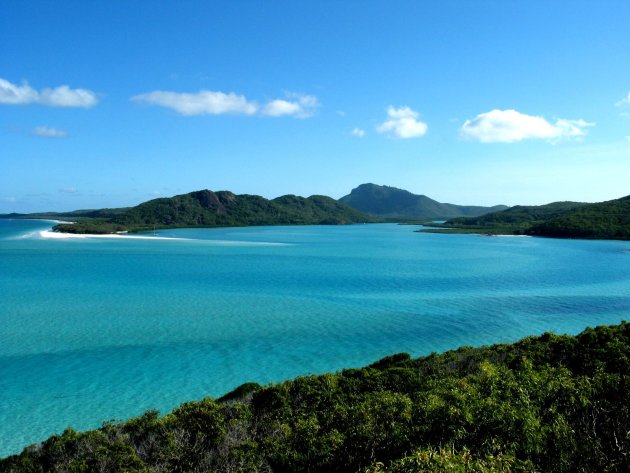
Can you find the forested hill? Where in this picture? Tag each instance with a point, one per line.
(519, 217)
(546, 404)
(209, 209)
(604, 220)
(394, 203)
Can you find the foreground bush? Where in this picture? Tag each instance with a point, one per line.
(550, 403)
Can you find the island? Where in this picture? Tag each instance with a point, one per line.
(206, 208)
(368, 203)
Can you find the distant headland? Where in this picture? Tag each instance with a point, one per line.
(608, 220)
(206, 208)
(367, 203)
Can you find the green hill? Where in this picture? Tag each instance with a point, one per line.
(394, 203)
(550, 403)
(212, 209)
(519, 217)
(604, 220)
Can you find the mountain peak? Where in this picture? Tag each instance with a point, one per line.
(387, 201)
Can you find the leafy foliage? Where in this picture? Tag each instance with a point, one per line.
(91, 226)
(447, 460)
(550, 403)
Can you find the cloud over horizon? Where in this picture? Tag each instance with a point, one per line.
(49, 132)
(208, 102)
(624, 101)
(510, 126)
(62, 96)
(69, 190)
(402, 123)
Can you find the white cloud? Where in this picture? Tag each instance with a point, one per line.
(624, 101)
(62, 96)
(571, 128)
(509, 126)
(402, 123)
(280, 107)
(69, 190)
(48, 132)
(298, 105)
(204, 102)
(12, 94)
(208, 102)
(358, 132)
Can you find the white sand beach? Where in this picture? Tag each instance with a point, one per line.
(63, 236)
(47, 234)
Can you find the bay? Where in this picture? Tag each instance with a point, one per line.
(95, 329)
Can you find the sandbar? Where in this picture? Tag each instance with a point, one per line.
(58, 235)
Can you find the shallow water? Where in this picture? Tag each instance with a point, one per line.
(98, 329)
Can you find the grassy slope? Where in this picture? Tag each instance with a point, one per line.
(549, 403)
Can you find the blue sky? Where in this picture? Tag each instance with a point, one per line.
(108, 104)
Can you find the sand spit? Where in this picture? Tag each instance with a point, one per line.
(117, 236)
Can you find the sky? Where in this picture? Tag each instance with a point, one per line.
(110, 104)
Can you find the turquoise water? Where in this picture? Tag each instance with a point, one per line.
(100, 329)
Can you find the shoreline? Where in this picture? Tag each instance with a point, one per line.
(47, 234)
(50, 235)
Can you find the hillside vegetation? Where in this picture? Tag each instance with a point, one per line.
(604, 220)
(521, 216)
(610, 220)
(398, 204)
(213, 209)
(550, 403)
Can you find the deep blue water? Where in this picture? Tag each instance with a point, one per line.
(100, 329)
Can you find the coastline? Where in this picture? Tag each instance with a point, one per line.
(48, 234)
(568, 363)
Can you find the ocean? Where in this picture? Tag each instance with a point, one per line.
(96, 329)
